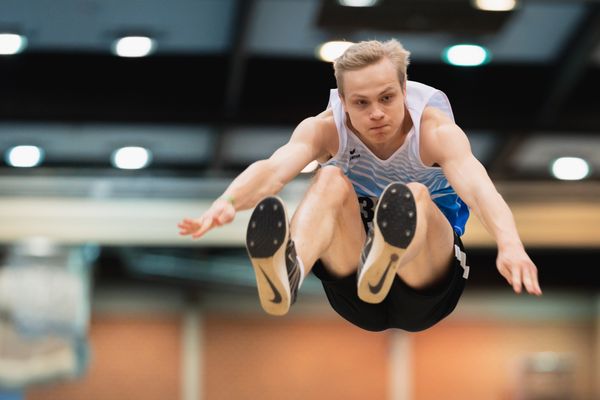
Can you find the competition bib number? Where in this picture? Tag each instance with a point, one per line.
(367, 210)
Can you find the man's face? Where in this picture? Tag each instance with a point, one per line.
(374, 101)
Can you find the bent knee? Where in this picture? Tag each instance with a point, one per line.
(420, 191)
(331, 172)
(332, 180)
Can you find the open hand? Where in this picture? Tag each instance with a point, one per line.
(220, 213)
(518, 269)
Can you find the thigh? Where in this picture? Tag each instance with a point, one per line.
(342, 256)
(428, 257)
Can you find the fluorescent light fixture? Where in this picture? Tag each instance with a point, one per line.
(131, 158)
(24, 156)
(331, 50)
(11, 43)
(37, 246)
(134, 46)
(570, 168)
(358, 3)
(495, 5)
(466, 55)
(310, 167)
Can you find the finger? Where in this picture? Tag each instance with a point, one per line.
(185, 224)
(183, 230)
(224, 219)
(206, 225)
(516, 280)
(186, 221)
(537, 282)
(200, 228)
(187, 228)
(506, 274)
(528, 281)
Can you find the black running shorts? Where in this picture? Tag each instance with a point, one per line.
(404, 307)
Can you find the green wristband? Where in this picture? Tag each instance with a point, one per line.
(228, 198)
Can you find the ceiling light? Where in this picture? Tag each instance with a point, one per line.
(24, 156)
(11, 43)
(466, 55)
(134, 46)
(358, 3)
(131, 158)
(570, 168)
(495, 5)
(331, 50)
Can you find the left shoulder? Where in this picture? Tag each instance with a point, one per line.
(438, 134)
(432, 118)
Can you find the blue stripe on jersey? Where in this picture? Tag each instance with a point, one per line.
(453, 208)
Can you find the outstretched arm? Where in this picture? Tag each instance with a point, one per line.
(262, 178)
(450, 148)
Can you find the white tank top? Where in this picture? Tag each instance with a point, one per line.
(370, 175)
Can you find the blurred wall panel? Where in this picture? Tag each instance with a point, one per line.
(293, 358)
(484, 360)
(476, 354)
(133, 357)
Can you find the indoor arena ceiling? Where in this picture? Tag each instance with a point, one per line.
(231, 78)
(242, 73)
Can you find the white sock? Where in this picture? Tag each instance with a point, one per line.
(301, 266)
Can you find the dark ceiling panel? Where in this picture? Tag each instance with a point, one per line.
(285, 90)
(581, 111)
(571, 64)
(491, 97)
(89, 87)
(456, 16)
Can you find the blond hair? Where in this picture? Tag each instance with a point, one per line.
(363, 54)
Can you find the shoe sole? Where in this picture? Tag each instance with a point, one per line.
(266, 238)
(394, 227)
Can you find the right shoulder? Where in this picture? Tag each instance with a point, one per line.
(325, 122)
(329, 132)
(320, 133)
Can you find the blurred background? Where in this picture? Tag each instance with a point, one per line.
(119, 118)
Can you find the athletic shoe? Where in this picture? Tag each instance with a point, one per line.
(394, 227)
(273, 256)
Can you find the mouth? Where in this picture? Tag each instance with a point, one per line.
(375, 128)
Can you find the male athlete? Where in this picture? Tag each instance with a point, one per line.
(380, 224)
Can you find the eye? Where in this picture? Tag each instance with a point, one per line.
(360, 102)
(387, 98)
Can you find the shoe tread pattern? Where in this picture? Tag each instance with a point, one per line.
(396, 215)
(266, 230)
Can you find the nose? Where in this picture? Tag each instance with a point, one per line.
(376, 114)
